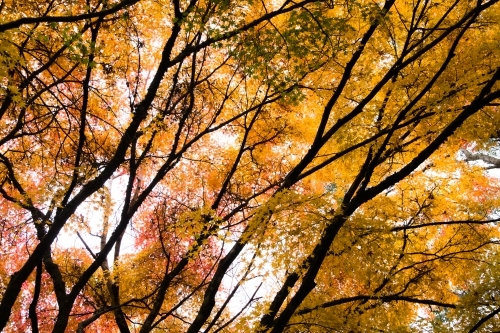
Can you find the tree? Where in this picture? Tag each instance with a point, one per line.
(273, 166)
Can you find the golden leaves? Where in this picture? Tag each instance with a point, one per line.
(314, 149)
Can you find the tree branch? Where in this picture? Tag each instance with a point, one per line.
(385, 299)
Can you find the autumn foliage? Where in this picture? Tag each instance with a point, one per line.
(249, 166)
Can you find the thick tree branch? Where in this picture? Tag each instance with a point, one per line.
(74, 18)
(470, 157)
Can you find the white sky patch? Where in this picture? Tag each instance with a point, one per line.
(95, 212)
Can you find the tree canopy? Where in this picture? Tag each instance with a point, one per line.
(249, 166)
